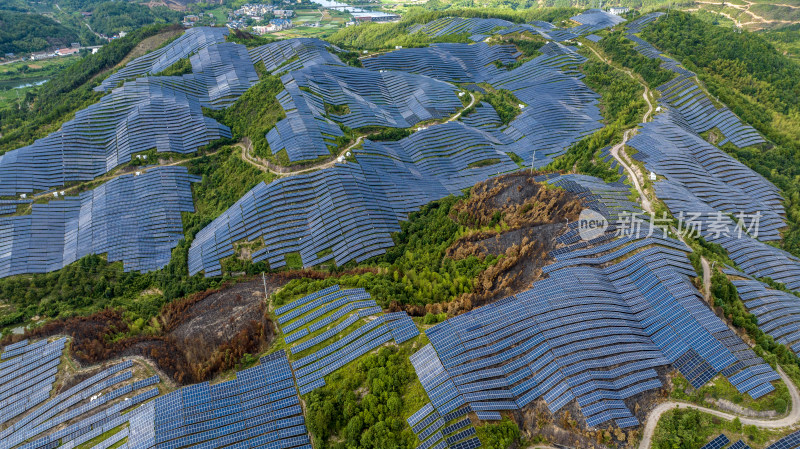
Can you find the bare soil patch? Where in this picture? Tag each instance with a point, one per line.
(517, 218)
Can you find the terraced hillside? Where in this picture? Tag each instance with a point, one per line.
(458, 245)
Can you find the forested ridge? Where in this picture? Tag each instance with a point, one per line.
(25, 33)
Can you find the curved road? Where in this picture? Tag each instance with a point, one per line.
(787, 421)
(278, 170)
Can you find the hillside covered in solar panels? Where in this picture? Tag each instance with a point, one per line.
(245, 243)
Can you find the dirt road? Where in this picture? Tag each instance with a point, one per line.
(284, 171)
(787, 421)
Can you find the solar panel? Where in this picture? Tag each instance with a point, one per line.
(717, 443)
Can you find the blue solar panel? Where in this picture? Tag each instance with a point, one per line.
(717, 443)
(134, 219)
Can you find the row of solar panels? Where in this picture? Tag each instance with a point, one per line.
(320, 319)
(717, 196)
(134, 219)
(84, 411)
(478, 28)
(453, 430)
(260, 408)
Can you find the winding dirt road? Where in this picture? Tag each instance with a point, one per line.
(266, 166)
(618, 150)
(787, 421)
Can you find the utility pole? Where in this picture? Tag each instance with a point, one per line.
(264, 280)
(533, 160)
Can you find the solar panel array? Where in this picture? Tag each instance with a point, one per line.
(598, 19)
(161, 112)
(668, 147)
(226, 70)
(598, 330)
(350, 209)
(141, 115)
(294, 54)
(134, 219)
(560, 109)
(315, 325)
(393, 99)
(305, 133)
(260, 408)
(27, 374)
(791, 441)
(453, 430)
(717, 443)
(446, 26)
(191, 41)
(81, 413)
(778, 312)
(478, 29)
(710, 189)
(685, 95)
(456, 63)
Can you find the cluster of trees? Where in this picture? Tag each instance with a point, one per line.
(758, 83)
(254, 113)
(364, 405)
(415, 271)
(786, 39)
(111, 17)
(504, 102)
(528, 47)
(502, 435)
(584, 156)
(621, 98)
(622, 51)
(681, 430)
(26, 33)
(182, 67)
(392, 134)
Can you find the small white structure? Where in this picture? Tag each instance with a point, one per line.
(23, 196)
(138, 173)
(348, 154)
(521, 106)
(62, 193)
(55, 194)
(461, 94)
(340, 159)
(398, 47)
(653, 176)
(618, 10)
(658, 108)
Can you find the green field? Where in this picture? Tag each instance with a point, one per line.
(21, 73)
